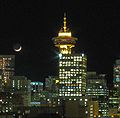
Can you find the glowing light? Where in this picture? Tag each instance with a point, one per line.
(65, 27)
(36, 83)
(57, 81)
(5, 80)
(112, 116)
(35, 102)
(60, 55)
(65, 42)
(65, 31)
(63, 46)
(19, 49)
(64, 51)
(82, 55)
(65, 34)
(99, 116)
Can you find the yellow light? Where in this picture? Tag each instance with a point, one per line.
(65, 51)
(64, 27)
(65, 31)
(63, 46)
(98, 115)
(57, 81)
(5, 80)
(65, 34)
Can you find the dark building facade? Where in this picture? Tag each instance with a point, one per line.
(97, 90)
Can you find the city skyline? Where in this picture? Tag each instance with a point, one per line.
(96, 25)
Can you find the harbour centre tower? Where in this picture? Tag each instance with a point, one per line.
(72, 66)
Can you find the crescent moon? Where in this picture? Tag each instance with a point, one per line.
(17, 50)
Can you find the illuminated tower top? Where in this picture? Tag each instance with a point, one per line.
(64, 41)
(64, 31)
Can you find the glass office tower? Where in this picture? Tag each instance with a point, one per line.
(72, 75)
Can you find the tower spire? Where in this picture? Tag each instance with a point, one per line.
(64, 41)
(64, 30)
(64, 22)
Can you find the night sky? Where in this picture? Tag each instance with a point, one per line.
(33, 23)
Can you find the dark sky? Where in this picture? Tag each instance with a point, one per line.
(33, 23)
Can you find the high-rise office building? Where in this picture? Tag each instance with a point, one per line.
(114, 93)
(97, 91)
(19, 83)
(7, 63)
(36, 90)
(16, 95)
(116, 80)
(114, 99)
(93, 109)
(116, 74)
(72, 67)
(20, 86)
